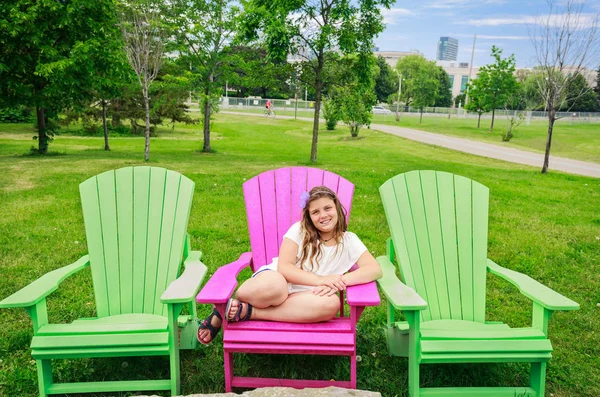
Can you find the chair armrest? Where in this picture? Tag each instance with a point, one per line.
(221, 285)
(363, 295)
(532, 289)
(44, 286)
(186, 286)
(401, 296)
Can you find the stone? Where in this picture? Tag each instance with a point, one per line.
(290, 392)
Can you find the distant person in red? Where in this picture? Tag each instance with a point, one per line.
(269, 105)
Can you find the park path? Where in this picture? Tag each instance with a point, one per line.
(478, 148)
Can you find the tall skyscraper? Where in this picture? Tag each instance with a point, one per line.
(447, 49)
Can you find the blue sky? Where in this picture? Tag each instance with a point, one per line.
(506, 23)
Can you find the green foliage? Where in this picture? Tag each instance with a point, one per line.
(597, 90)
(495, 83)
(355, 105)
(420, 81)
(444, 98)
(579, 95)
(331, 113)
(386, 81)
(20, 114)
(460, 99)
(510, 128)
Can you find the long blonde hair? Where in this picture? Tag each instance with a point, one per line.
(311, 249)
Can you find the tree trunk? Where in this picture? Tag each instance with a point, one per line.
(207, 110)
(42, 136)
(318, 89)
(104, 126)
(551, 120)
(492, 126)
(421, 118)
(479, 121)
(147, 144)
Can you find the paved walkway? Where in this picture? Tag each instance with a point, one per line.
(478, 148)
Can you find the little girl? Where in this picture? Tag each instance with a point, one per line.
(300, 285)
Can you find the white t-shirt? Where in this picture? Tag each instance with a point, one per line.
(331, 261)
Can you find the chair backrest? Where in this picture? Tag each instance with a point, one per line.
(439, 223)
(135, 221)
(272, 205)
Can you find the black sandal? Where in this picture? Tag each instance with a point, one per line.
(237, 316)
(206, 324)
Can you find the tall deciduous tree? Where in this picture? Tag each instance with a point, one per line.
(203, 30)
(38, 44)
(309, 28)
(565, 42)
(477, 100)
(444, 98)
(144, 38)
(386, 81)
(597, 90)
(497, 82)
(579, 96)
(420, 81)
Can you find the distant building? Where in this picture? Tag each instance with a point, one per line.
(459, 75)
(392, 57)
(447, 49)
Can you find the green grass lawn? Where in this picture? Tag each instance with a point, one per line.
(547, 226)
(579, 140)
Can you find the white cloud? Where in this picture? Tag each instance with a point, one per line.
(584, 21)
(491, 37)
(461, 3)
(390, 16)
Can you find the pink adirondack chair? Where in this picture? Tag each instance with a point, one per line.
(272, 206)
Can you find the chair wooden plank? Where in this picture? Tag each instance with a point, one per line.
(332, 181)
(141, 195)
(156, 206)
(445, 187)
(83, 329)
(255, 223)
(410, 241)
(485, 346)
(291, 337)
(283, 201)
(109, 386)
(95, 341)
(434, 233)
(266, 348)
(464, 235)
(124, 194)
(480, 195)
(417, 206)
(337, 324)
(151, 350)
(132, 318)
(314, 177)
(268, 203)
(461, 325)
(93, 230)
(167, 268)
(513, 333)
(345, 194)
(392, 214)
(254, 383)
(457, 358)
(478, 392)
(299, 175)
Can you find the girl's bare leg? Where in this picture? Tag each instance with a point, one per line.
(300, 307)
(267, 288)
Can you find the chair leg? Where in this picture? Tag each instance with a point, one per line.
(353, 371)
(228, 361)
(537, 378)
(175, 375)
(413, 378)
(44, 370)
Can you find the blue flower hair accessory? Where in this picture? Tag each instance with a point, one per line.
(304, 199)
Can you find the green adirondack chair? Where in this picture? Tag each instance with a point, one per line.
(439, 223)
(136, 221)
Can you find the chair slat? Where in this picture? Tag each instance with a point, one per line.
(291, 337)
(268, 203)
(255, 223)
(464, 235)
(141, 196)
(298, 187)
(95, 341)
(284, 202)
(480, 195)
(124, 194)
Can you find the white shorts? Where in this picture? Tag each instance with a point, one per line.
(292, 288)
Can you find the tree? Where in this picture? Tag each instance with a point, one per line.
(38, 63)
(477, 100)
(564, 42)
(144, 45)
(308, 29)
(386, 81)
(444, 98)
(597, 90)
(497, 82)
(459, 100)
(420, 81)
(203, 30)
(579, 96)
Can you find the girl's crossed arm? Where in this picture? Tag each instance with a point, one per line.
(368, 270)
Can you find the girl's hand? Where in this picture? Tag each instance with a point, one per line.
(333, 281)
(324, 290)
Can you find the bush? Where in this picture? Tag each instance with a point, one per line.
(331, 114)
(19, 114)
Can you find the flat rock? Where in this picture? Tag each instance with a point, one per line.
(290, 392)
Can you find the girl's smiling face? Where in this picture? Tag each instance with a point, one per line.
(323, 214)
